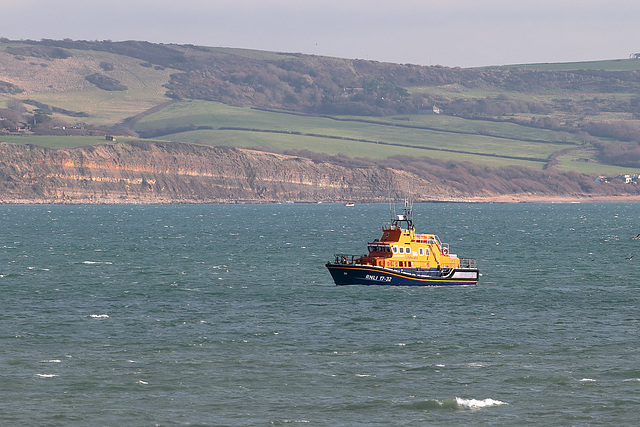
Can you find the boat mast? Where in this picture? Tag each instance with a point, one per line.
(406, 216)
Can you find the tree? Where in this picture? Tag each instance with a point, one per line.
(10, 119)
(39, 116)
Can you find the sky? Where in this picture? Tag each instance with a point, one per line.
(464, 33)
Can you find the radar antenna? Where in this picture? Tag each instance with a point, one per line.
(406, 217)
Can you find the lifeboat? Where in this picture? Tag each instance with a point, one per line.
(402, 257)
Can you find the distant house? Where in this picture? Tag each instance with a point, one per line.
(110, 138)
(429, 109)
(625, 178)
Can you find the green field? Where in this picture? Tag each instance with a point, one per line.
(54, 141)
(294, 132)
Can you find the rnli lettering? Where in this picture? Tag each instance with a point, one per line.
(378, 278)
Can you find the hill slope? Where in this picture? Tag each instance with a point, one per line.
(571, 117)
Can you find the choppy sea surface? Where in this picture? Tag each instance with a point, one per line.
(226, 315)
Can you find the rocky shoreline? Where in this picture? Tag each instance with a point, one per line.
(155, 172)
(175, 173)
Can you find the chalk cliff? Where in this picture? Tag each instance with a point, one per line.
(155, 172)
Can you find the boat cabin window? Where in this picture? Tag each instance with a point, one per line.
(395, 249)
(421, 251)
(401, 250)
(407, 250)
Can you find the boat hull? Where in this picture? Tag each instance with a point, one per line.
(356, 274)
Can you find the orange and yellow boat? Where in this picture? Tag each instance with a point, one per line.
(402, 257)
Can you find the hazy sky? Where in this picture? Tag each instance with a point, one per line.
(447, 32)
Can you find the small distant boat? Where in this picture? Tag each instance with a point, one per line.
(349, 204)
(402, 257)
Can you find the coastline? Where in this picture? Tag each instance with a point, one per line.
(517, 198)
(177, 173)
(505, 198)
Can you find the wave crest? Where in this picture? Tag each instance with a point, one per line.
(455, 404)
(477, 404)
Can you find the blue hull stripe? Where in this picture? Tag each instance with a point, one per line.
(363, 275)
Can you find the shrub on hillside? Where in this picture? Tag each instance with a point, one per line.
(105, 83)
(107, 66)
(10, 88)
(46, 52)
(620, 130)
(626, 155)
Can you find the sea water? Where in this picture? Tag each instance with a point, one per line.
(226, 315)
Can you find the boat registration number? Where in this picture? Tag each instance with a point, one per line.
(378, 278)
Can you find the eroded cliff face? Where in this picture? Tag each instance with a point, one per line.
(153, 172)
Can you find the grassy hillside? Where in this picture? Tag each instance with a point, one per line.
(62, 83)
(573, 116)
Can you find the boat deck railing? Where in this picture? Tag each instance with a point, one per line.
(468, 263)
(346, 258)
